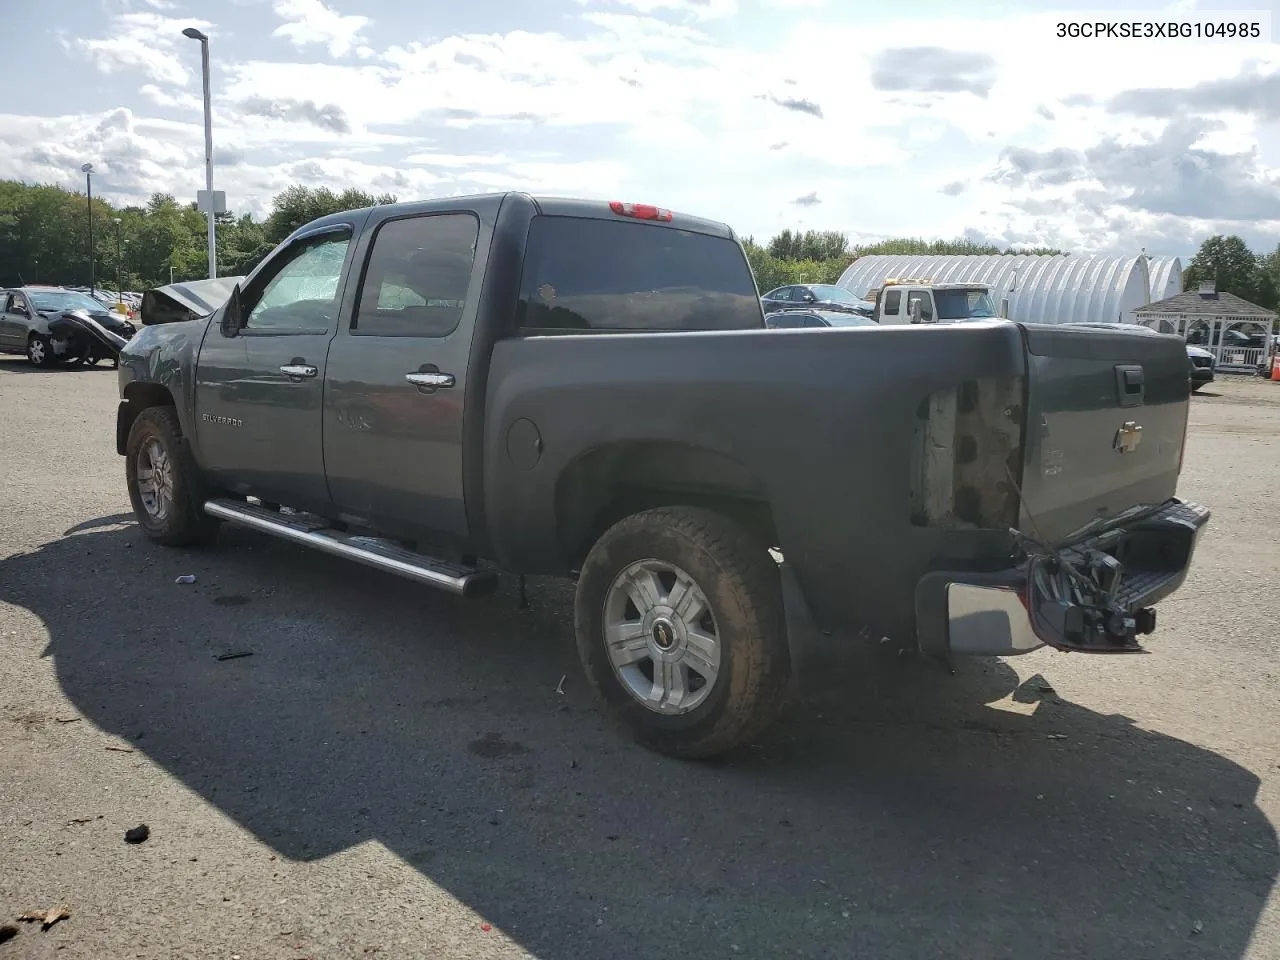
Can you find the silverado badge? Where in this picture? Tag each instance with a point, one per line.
(1128, 437)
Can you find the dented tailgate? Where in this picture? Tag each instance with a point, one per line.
(1106, 423)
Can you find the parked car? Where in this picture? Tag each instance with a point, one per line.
(544, 386)
(815, 296)
(35, 322)
(783, 319)
(1203, 365)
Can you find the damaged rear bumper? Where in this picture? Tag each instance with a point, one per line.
(1095, 597)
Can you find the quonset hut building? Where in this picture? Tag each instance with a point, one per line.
(1062, 288)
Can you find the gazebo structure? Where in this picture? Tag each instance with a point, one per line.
(1237, 332)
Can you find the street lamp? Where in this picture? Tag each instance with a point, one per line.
(194, 34)
(87, 170)
(119, 261)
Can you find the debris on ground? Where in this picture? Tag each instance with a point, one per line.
(116, 749)
(233, 655)
(1045, 686)
(1056, 736)
(67, 719)
(8, 932)
(560, 685)
(186, 578)
(486, 927)
(47, 918)
(138, 834)
(1197, 927)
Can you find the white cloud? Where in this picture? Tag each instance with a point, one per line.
(694, 9)
(648, 100)
(146, 42)
(313, 22)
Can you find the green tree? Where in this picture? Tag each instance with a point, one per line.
(1233, 268)
(299, 205)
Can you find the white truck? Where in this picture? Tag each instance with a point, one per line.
(902, 300)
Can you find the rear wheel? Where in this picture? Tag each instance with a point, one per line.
(40, 351)
(680, 628)
(165, 486)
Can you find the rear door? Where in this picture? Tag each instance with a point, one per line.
(397, 373)
(1106, 422)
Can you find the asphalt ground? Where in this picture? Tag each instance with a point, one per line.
(393, 772)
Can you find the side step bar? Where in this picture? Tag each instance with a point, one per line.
(371, 551)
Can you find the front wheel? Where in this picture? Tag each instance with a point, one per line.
(164, 482)
(40, 351)
(680, 628)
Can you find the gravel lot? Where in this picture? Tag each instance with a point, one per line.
(393, 773)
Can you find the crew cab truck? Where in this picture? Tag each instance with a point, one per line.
(555, 387)
(902, 300)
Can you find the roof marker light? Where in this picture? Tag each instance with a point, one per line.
(641, 211)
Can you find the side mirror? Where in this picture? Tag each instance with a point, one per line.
(232, 314)
(915, 311)
(808, 297)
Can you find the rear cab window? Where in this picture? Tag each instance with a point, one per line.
(582, 274)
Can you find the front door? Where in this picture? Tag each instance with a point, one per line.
(13, 321)
(259, 394)
(393, 405)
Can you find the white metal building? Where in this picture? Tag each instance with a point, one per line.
(1166, 277)
(1062, 288)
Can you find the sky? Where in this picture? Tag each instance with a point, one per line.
(921, 119)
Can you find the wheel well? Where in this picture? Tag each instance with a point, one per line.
(609, 483)
(138, 397)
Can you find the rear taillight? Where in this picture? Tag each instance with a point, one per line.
(641, 211)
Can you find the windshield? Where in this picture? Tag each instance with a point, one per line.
(963, 304)
(59, 300)
(834, 294)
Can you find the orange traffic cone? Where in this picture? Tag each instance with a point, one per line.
(1275, 367)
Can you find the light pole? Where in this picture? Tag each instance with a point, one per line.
(87, 170)
(195, 34)
(119, 261)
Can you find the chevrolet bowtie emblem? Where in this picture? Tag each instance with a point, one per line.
(1128, 437)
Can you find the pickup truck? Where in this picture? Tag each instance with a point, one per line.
(457, 388)
(899, 301)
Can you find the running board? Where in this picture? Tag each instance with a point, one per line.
(372, 551)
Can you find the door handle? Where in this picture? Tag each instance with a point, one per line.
(297, 372)
(430, 379)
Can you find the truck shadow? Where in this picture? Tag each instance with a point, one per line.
(893, 811)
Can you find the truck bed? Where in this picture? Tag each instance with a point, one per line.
(844, 433)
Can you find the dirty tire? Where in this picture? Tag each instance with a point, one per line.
(185, 522)
(740, 582)
(40, 351)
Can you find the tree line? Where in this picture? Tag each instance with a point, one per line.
(44, 235)
(44, 238)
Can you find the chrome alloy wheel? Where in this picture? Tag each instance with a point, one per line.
(661, 637)
(155, 480)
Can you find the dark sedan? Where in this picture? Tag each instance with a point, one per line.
(816, 296)
(792, 319)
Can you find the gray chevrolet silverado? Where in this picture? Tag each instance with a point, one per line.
(453, 388)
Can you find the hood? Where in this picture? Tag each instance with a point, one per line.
(1197, 351)
(107, 318)
(191, 300)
